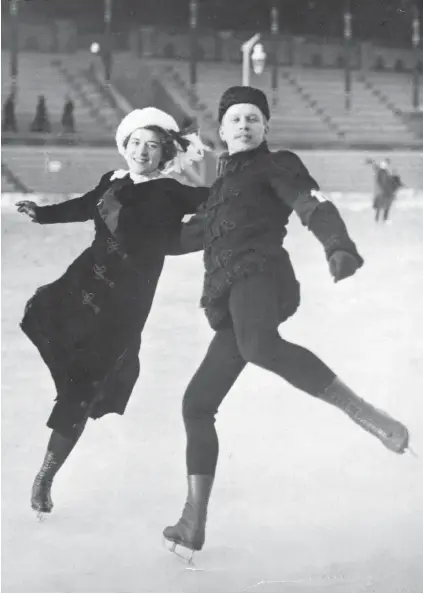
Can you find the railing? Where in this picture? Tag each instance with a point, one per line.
(383, 98)
(93, 110)
(104, 92)
(318, 110)
(14, 180)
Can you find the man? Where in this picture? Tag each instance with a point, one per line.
(250, 289)
(387, 184)
(9, 118)
(68, 120)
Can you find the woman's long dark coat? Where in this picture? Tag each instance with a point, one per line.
(87, 325)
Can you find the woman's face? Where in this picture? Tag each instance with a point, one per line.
(143, 152)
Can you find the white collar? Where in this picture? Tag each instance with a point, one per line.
(137, 179)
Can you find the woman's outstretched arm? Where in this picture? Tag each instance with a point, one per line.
(70, 211)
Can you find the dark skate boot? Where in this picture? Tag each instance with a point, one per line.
(190, 531)
(393, 434)
(58, 449)
(41, 501)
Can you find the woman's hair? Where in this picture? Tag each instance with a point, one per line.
(167, 139)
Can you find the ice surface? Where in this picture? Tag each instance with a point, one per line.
(304, 501)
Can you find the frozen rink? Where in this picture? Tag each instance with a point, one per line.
(304, 501)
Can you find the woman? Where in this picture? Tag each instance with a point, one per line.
(87, 325)
(250, 289)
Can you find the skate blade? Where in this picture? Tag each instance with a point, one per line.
(410, 452)
(41, 516)
(180, 551)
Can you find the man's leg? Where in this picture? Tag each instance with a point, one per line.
(209, 386)
(212, 381)
(256, 306)
(387, 210)
(255, 309)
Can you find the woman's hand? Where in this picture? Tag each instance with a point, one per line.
(28, 207)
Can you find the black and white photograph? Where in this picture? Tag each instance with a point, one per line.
(211, 296)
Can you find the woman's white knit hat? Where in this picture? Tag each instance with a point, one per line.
(140, 118)
(151, 116)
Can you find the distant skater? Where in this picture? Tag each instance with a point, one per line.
(387, 184)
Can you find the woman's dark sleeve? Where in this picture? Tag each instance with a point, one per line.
(191, 198)
(76, 210)
(189, 236)
(292, 183)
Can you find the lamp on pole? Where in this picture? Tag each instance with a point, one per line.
(415, 40)
(274, 29)
(193, 22)
(347, 53)
(14, 43)
(246, 49)
(108, 39)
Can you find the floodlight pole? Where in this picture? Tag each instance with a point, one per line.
(246, 49)
(193, 22)
(347, 53)
(415, 40)
(108, 40)
(14, 43)
(274, 29)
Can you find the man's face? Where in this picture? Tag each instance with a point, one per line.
(243, 128)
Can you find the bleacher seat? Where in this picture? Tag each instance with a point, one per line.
(293, 120)
(310, 104)
(396, 87)
(368, 121)
(38, 74)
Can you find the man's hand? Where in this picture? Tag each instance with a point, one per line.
(342, 265)
(29, 208)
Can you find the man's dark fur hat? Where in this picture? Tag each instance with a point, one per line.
(235, 95)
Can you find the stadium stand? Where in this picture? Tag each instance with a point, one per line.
(81, 76)
(392, 88)
(56, 77)
(10, 182)
(73, 171)
(310, 104)
(308, 116)
(60, 170)
(369, 120)
(295, 119)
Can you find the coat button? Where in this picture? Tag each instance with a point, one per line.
(84, 404)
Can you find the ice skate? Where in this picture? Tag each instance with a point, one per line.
(181, 551)
(58, 449)
(393, 434)
(41, 501)
(190, 531)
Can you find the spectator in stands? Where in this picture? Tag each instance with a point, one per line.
(68, 121)
(387, 184)
(41, 122)
(87, 325)
(250, 288)
(9, 117)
